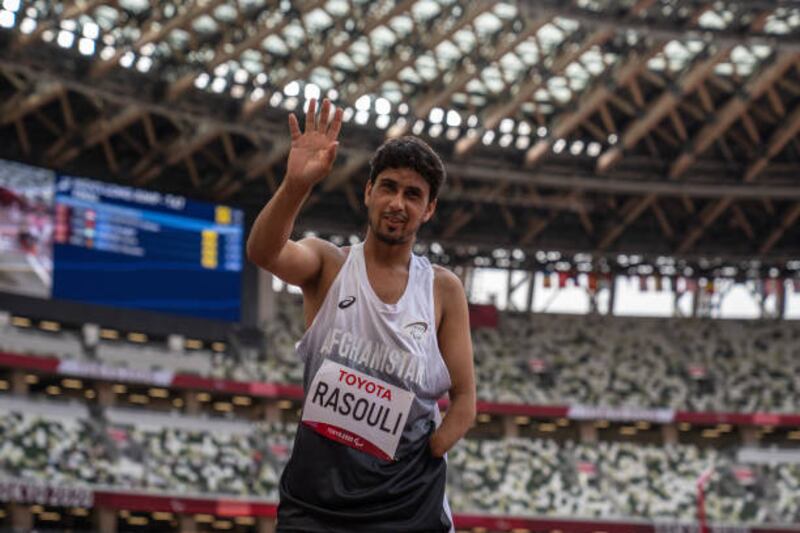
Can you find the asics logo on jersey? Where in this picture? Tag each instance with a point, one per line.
(347, 302)
(416, 330)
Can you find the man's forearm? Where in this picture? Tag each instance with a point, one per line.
(457, 421)
(274, 224)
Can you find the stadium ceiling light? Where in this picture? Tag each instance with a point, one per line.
(86, 46)
(91, 30)
(362, 117)
(7, 19)
(27, 26)
(383, 106)
(453, 118)
(311, 91)
(383, 121)
(292, 89)
(363, 103)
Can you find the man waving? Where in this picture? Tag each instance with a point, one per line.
(387, 336)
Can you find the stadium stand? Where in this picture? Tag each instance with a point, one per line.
(693, 365)
(511, 476)
(696, 365)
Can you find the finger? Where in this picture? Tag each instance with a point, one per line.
(324, 115)
(332, 153)
(294, 127)
(310, 115)
(336, 125)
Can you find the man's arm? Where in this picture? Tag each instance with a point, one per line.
(310, 160)
(455, 343)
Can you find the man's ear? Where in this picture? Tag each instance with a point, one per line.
(367, 191)
(429, 210)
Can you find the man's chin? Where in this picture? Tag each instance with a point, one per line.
(391, 239)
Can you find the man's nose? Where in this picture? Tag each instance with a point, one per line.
(397, 200)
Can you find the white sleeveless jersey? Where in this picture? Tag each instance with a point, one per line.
(373, 376)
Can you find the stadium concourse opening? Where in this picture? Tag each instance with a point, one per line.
(621, 207)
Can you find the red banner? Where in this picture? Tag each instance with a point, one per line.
(483, 316)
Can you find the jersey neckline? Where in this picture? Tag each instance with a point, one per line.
(371, 294)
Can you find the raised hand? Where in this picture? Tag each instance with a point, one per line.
(313, 151)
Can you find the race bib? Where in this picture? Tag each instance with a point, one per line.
(357, 410)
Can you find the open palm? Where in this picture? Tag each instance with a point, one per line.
(313, 151)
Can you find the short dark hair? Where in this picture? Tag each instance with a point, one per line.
(412, 153)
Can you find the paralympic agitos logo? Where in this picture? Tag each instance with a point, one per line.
(416, 330)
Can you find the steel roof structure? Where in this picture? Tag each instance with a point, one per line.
(663, 128)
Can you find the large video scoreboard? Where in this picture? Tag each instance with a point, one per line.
(120, 246)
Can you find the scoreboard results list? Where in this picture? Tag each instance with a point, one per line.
(120, 246)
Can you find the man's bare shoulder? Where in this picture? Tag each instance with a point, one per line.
(446, 283)
(325, 249)
(332, 258)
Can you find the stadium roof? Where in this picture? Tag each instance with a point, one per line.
(659, 127)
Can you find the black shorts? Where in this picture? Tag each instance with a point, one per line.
(330, 487)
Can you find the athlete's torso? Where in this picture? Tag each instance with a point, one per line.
(375, 370)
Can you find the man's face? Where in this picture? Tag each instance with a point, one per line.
(397, 205)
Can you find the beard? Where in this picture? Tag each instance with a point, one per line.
(385, 237)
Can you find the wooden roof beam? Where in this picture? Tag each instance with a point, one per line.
(343, 174)
(524, 93)
(707, 217)
(657, 110)
(591, 101)
(17, 108)
(782, 135)
(97, 131)
(444, 30)
(292, 72)
(153, 164)
(791, 216)
(439, 96)
(785, 132)
(156, 33)
(442, 92)
(659, 29)
(734, 108)
(73, 10)
(185, 82)
(631, 211)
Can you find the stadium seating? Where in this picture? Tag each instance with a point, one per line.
(702, 365)
(693, 365)
(510, 476)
